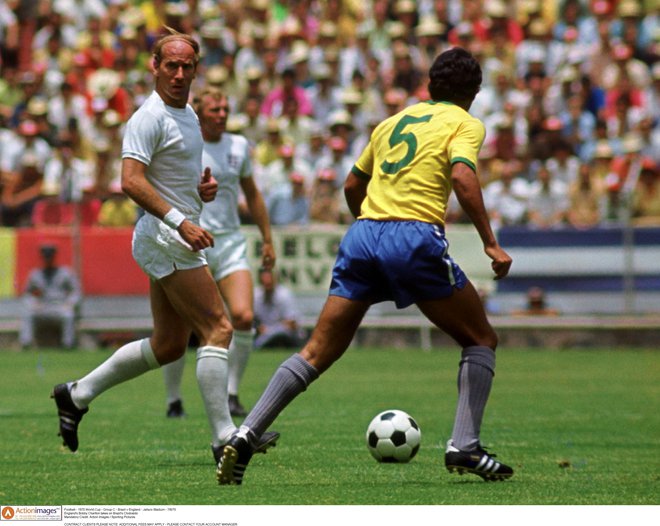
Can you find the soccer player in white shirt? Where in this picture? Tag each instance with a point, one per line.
(161, 169)
(228, 156)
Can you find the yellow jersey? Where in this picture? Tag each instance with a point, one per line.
(409, 158)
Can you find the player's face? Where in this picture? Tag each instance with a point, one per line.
(213, 117)
(175, 73)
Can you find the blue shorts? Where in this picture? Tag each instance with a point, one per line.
(400, 261)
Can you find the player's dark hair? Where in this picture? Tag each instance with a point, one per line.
(454, 76)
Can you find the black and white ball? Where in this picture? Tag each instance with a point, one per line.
(393, 436)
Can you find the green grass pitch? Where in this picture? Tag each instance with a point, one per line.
(579, 427)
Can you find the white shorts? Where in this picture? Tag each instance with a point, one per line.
(228, 255)
(160, 250)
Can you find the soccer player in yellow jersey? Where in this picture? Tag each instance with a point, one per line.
(396, 250)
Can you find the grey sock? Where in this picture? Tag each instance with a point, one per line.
(475, 377)
(290, 379)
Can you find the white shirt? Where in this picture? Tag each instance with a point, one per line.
(229, 160)
(169, 141)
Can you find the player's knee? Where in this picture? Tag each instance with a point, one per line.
(167, 351)
(218, 333)
(490, 340)
(242, 320)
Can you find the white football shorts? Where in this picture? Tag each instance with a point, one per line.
(228, 255)
(160, 250)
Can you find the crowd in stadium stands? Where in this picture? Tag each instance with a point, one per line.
(570, 99)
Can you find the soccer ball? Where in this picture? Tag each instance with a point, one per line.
(393, 436)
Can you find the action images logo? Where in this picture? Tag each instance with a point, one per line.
(31, 513)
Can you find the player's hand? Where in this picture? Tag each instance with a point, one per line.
(267, 256)
(195, 236)
(501, 261)
(208, 186)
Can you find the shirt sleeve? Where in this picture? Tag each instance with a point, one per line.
(141, 137)
(466, 143)
(363, 167)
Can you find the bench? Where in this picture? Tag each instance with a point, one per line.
(128, 317)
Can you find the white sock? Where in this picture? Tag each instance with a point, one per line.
(131, 360)
(239, 354)
(173, 374)
(212, 380)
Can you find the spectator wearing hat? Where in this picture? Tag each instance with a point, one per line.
(355, 55)
(601, 160)
(506, 195)
(645, 199)
(67, 173)
(97, 44)
(21, 189)
(533, 48)
(254, 128)
(338, 159)
(625, 67)
(631, 26)
(251, 48)
(341, 125)
(296, 127)
(352, 100)
(215, 42)
(105, 85)
(55, 21)
(326, 39)
(52, 294)
(23, 145)
(624, 109)
(67, 107)
(585, 196)
(564, 163)
(278, 173)
(312, 151)
(325, 196)
(429, 40)
(299, 60)
(499, 18)
(37, 111)
(267, 149)
(578, 124)
(288, 204)
(548, 200)
(30, 84)
(494, 95)
(324, 92)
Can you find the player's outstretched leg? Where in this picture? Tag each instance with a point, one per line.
(476, 461)
(69, 415)
(268, 439)
(236, 456)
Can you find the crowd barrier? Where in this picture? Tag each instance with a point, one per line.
(102, 257)
(605, 282)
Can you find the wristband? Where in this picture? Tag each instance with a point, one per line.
(174, 218)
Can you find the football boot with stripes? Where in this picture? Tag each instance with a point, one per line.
(477, 461)
(70, 416)
(236, 455)
(268, 439)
